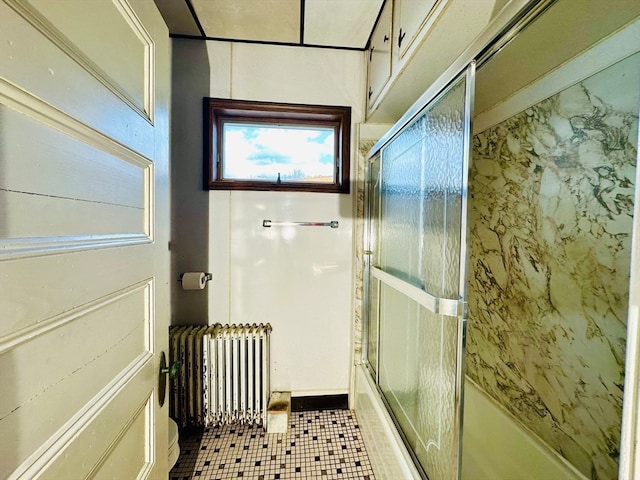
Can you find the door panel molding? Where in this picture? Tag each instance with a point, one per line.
(25, 103)
(14, 340)
(55, 164)
(117, 395)
(106, 341)
(65, 282)
(144, 108)
(124, 446)
(16, 248)
(28, 104)
(37, 66)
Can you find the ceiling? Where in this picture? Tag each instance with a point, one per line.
(343, 24)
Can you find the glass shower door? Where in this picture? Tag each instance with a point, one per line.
(416, 283)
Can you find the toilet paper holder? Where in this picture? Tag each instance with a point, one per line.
(207, 277)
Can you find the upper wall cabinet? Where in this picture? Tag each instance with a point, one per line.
(411, 15)
(401, 28)
(427, 36)
(379, 66)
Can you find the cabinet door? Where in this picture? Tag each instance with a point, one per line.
(412, 14)
(380, 56)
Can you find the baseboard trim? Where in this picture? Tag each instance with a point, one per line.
(320, 402)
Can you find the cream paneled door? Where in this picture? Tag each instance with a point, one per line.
(84, 218)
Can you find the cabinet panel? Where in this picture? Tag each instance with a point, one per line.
(412, 14)
(380, 56)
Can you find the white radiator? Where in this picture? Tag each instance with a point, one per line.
(224, 376)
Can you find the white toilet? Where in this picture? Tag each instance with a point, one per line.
(174, 448)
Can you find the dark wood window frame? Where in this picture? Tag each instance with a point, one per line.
(217, 111)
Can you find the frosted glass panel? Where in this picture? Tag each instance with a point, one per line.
(422, 176)
(418, 379)
(418, 217)
(444, 153)
(402, 191)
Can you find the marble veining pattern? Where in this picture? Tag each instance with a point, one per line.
(550, 232)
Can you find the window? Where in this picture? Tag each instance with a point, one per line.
(276, 146)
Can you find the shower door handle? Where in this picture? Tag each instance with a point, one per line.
(451, 307)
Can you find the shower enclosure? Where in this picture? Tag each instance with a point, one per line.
(554, 163)
(415, 273)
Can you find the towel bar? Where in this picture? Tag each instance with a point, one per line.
(269, 223)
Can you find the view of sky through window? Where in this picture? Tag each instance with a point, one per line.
(261, 152)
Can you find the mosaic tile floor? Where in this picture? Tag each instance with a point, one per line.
(319, 445)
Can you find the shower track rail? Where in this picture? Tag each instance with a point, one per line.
(442, 306)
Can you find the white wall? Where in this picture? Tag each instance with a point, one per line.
(297, 279)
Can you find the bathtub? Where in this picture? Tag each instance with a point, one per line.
(495, 446)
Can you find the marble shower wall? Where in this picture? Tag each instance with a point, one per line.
(550, 233)
(364, 146)
(368, 136)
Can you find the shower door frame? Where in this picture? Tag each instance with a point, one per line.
(482, 49)
(479, 52)
(455, 309)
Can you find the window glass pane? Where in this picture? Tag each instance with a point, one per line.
(267, 153)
